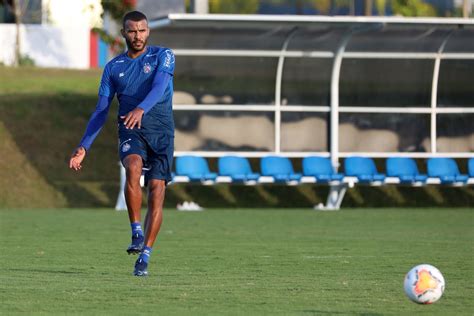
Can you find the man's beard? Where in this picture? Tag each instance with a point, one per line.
(133, 45)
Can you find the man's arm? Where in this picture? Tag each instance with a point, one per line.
(96, 122)
(160, 82)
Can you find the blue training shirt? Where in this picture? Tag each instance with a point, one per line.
(132, 80)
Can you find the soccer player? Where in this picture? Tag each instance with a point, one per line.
(142, 79)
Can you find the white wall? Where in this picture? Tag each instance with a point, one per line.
(49, 46)
(73, 12)
(63, 38)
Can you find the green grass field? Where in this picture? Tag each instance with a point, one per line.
(240, 261)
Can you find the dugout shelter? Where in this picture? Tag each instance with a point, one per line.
(336, 87)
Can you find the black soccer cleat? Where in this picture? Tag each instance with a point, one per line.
(140, 268)
(137, 244)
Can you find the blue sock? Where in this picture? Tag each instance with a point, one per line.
(145, 254)
(136, 228)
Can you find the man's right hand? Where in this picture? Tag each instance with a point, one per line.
(77, 157)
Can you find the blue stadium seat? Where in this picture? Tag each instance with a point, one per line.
(405, 169)
(280, 168)
(238, 168)
(446, 170)
(194, 167)
(470, 167)
(363, 168)
(321, 169)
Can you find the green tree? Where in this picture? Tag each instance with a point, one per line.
(24, 11)
(412, 8)
(323, 6)
(118, 8)
(233, 6)
(380, 6)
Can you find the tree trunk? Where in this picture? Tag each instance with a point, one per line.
(368, 7)
(17, 12)
(465, 8)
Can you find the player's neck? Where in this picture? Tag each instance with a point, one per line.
(135, 54)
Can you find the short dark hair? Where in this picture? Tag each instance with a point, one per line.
(133, 16)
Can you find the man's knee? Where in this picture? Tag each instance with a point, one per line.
(156, 186)
(133, 165)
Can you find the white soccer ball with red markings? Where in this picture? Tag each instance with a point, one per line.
(424, 284)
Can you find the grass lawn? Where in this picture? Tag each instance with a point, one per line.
(240, 261)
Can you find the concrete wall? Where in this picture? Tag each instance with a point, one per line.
(48, 46)
(73, 13)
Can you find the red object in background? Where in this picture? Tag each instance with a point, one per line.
(93, 50)
(130, 3)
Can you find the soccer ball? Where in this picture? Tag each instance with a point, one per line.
(424, 284)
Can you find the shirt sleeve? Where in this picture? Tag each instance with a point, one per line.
(107, 88)
(96, 122)
(166, 61)
(160, 82)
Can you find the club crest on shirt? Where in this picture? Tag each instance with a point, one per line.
(146, 68)
(126, 147)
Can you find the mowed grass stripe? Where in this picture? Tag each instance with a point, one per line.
(222, 261)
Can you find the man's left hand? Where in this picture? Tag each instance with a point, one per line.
(133, 118)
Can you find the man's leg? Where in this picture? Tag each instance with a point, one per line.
(153, 220)
(133, 196)
(154, 217)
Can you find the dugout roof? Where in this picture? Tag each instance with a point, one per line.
(315, 33)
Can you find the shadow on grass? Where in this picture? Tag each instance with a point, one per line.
(45, 271)
(47, 128)
(320, 312)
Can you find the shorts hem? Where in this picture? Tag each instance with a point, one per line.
(164, 178)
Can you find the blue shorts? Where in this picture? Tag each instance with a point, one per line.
(156, 150)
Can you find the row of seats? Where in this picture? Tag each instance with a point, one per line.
(319, 170)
